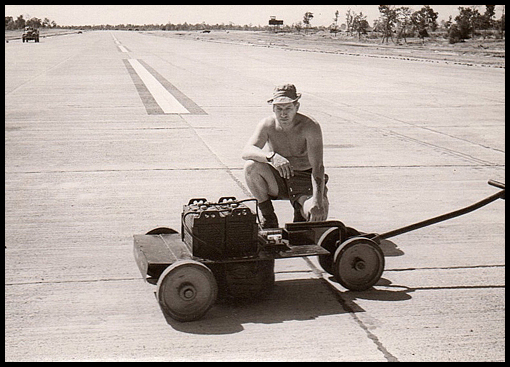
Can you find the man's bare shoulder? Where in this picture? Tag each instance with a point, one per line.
(268, 122)
(309, 123)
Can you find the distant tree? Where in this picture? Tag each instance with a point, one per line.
(360, 24)
(307, 18)
(387, 21)
(501, 23)
(349, 18)
(466, 23)
(20, 22)
(487, 19)
(298, 26)
(447, 23)
(8, 20)
(403, 22)
(34, 22)
(424, 19)
(334, 26)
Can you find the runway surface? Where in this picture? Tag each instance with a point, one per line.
(108, 134)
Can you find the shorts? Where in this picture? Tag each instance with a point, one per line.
(295, 187)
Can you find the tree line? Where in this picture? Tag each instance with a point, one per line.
(402, 22)
(21, 22)
(395, 23)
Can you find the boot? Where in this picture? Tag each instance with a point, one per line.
(270, 220)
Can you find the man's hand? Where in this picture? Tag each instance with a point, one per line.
(316, 212)
(282, 165)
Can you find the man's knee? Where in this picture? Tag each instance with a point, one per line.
(252, 167)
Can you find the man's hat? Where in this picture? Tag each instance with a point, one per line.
(284, 94)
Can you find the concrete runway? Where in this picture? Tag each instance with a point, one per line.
(91, 158)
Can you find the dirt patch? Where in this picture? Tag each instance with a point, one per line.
(479, 52)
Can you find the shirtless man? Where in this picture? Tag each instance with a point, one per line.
(293, 167)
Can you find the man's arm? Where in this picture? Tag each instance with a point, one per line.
(253, 148)
(318, 210)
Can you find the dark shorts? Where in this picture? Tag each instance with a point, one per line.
(293, 188)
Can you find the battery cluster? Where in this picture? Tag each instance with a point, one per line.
(219, 230)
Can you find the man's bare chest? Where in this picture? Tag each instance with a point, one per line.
(288, 143)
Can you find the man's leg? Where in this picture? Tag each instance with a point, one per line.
(262, 184)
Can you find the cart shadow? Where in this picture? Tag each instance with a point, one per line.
(384, 291)
(291, 300)
(390, 249)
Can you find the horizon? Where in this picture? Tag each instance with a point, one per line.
(255, 15)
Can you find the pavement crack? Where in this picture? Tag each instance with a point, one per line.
(218, 159)
(447, 267)
(352, 308)
(72, 281)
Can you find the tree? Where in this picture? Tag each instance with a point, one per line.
(306, 19)
(334, 26)
(348, 21)
(403, 22)
(501, 25)
(20, 22)
(466, 23)
(360, 24)
(298, 26)
(487, 21)
(34, 22)
(387, 21)
(424, 19)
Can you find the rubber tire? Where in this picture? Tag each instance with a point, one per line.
(161, 230)
(329, 240)
(180, 279)
(346, 257)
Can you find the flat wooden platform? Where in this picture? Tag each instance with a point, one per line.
(153, 253)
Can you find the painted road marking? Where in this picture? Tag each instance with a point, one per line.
(166, 101)
(158, 95)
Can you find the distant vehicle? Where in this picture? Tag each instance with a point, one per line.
(206, 31)
(30, 33)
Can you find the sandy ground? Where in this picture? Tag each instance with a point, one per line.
(487, 52)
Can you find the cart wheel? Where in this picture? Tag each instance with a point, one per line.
(162, 230)
(359, 263)
(186, 290)
(329, 240)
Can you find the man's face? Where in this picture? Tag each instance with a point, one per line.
(285, 112)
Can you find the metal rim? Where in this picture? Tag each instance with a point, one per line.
(186, 290)
(329, 240)
(358, 263)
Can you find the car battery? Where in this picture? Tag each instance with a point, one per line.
(219, 230)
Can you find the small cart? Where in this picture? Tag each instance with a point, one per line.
(222, 251)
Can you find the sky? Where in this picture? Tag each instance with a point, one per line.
(210, 14)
